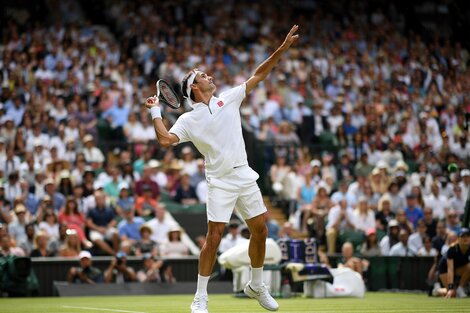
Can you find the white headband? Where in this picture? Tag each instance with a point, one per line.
(189, 82)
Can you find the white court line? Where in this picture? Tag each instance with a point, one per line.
(98, 309)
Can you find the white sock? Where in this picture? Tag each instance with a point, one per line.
(256, 277)
(202, 282)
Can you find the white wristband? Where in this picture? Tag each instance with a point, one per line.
(155, 112)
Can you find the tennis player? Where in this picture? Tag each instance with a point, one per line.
(214, 127)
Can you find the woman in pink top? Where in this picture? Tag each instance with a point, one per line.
(70, 216)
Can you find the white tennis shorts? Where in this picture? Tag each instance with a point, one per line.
(238, 189)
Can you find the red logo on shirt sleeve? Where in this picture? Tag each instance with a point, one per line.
(220, 103)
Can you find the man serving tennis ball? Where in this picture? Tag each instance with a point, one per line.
(214, 127)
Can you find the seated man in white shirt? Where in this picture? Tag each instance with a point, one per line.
(401, 248)
(416, 240)
(340, 218)
(233, 237)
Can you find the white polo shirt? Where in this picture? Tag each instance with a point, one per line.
(216, 131)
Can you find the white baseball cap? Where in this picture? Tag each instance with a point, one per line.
(465, 172)
(84, 254)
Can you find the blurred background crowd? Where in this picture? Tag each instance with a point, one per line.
(355, 128)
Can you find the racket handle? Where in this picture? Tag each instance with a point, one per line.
(155, 112)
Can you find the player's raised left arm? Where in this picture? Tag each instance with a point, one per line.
(266, 67)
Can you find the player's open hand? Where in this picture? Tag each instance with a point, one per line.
(151, 102)
(290, 38)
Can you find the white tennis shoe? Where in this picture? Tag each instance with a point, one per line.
(199, 304)
(262, 295)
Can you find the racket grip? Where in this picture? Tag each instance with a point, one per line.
(155, 112)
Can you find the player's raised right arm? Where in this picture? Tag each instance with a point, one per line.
(165, 138)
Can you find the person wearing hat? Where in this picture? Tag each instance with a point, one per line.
(465, 183)
(456, 263)
(392, 238)
(401, 248)
(174, 247)
(118, 272)
(85, 273)
(233, 237)
(188, 162)
(93, 155)
(17, 228)
(371, 246)
(145, 245)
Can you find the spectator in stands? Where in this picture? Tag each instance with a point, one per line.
(430, 222)
(129, 226)
(160, 225)
(40, 245)
(118, 272)
(457, 201)
(416, 240)
(8, 248)
(440, 238)
(319, 209)
(85, 273)
(401, 248)
(188, 162)
(71, 247)
(427, 249)
(28, 245)
(342, 193)
(73, 219)
(50, 224)
(145, 205)
(199, 175)
(185, 193)
(403, 222)
(452, 238)
(364, 218)
(384, 214)
(16, 229)
(232, 238)
(146, 245)
(287, 231)
(112, 187)
(55, 245)
(146, 180)
(453, 222)
(456, 264)
(340, 219)
(371, 246)
(150, 271)
(58, 199)
(391, 238)
(174, 247)
(102, 224)
(93, 155)
(437, 202)
(397, 201)
(412, 211)
(272, 225)
(348, 260)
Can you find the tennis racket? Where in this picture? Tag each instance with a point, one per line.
(167, 95)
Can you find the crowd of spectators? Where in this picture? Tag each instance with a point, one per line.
(357, 125)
